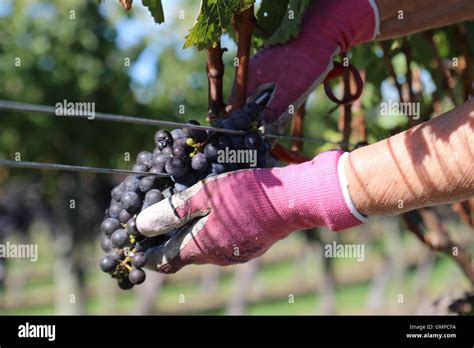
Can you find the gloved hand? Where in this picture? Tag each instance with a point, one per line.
(329, 27)
(237, 216)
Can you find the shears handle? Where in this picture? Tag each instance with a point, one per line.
(338, 71)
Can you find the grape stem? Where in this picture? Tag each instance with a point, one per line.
(125, 262)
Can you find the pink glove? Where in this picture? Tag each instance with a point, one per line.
(237, 216)
(297, 67)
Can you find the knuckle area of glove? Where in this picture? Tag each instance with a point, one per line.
(222, 248)
(158, 217)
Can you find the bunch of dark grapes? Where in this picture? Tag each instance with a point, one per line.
(187, 155)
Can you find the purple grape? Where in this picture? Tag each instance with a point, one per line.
(109, 225)
(163, 139)
(132, 184)
(158, 169)
(114, 209)
(223, 142)
(189, 179)
(181, 142)
(253, 140)
(210, 151)
(228, 124)
(179, 151)
(108, 264)
(139, 167)
(148, 164)
(139, 260)
(124, 284)
(105, 244)
(136, 276)
(160, 158)
(131, 201)
(217, 123)
(153, 196)
(119, 238)
(144, 156)
(163, 135)
(199, 162)
(201, 175)
(217, 168)
(242, 121)
(180, 187)
(176, 166)
(147, 183)
(124, 216)
(178, 133)
(117, 192)
(167, 151)
(116, 255)
(237, 142)
(197, 134)
(131, 226)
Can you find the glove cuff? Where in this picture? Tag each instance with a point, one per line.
(317, 194)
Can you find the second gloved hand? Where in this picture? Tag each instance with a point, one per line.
(329, 27)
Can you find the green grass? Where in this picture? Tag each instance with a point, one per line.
(302, 305)
(350, 299)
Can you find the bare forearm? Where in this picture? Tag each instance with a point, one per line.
(420, 15)
(429, 164)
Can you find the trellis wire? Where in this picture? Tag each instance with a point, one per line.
(73, 168)
(44, 109)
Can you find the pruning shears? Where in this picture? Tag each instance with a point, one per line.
(339, 70)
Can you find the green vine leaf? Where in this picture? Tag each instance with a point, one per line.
(270, 15)
(289, 25)
(156, 9)
(214, 17)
